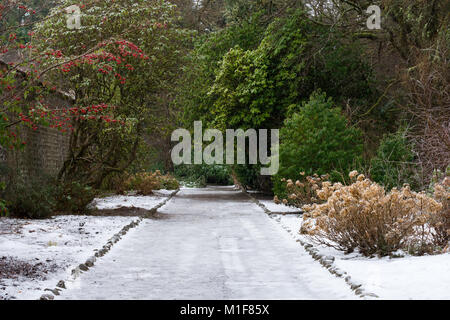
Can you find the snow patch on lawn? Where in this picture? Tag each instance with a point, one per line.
(143, 202)
(163, 192)
(410, 277)
(64, 242)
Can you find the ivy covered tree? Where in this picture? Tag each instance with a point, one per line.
(254, 88)
(205, 60)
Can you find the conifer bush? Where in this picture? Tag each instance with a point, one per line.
(317, 139)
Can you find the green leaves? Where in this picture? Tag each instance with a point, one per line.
(317, 139)
(135, 50)
(253, 87)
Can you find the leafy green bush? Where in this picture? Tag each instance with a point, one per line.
(249, 177)
(205, 59)
(168, 182)
(28, 197)
(254, 88)
(317, 139)
(394, 163)
(73, 197)
(145, 182)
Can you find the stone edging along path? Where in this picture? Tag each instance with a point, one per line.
(326, 261)
(76, 272)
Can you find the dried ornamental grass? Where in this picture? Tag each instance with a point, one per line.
(441, 221)
(362, 215)
(145, 182)
(304, 190)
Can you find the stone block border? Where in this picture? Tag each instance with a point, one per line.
(326, 261)
(83, 267)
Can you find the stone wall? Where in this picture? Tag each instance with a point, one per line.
(44, 154)
(45, 149)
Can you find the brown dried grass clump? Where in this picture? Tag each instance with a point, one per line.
(363, 216)
(145, 182)
(304, 190)
(441, 221)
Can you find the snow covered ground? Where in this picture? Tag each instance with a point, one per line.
(36, 254)
(209, 243)
(143, 202)
(55, 244)
(425, 277)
